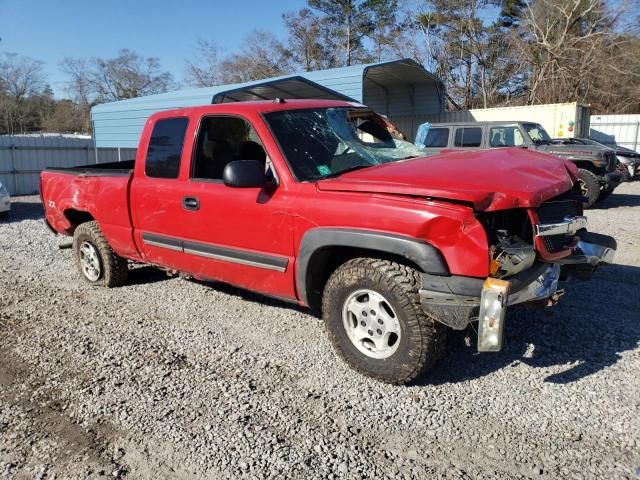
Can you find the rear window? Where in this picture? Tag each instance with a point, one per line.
(468, 137)
(165, 148)
(437, 137)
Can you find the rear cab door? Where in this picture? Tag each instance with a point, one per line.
(157, 189)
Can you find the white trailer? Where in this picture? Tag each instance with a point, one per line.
(560, 120)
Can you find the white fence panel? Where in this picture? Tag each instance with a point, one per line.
(623, 130)
(23, 157)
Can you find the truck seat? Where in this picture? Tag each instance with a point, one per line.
(216, 153)
(497, 140)
(249, 150)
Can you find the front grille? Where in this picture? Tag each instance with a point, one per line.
(555, 243)
(555, 211)
(511, 222)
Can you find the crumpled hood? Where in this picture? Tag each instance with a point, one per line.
(494, 179)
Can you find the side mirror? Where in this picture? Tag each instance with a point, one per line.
(244, 174)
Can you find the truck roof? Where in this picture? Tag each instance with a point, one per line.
(260, 106)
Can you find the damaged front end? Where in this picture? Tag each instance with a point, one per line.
(531, 251)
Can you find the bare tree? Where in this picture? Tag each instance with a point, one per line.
(614, 85)
(79, 87)
(309, 44)
(561, 41)
(98, 80)
(462, 47)
(386, 32)
(203, 70)
(66, 117)
(351, 21)
(21, 79)
(261, 56)
(128, 75)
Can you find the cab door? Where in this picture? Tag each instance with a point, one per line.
(157, 192)
(242, 236)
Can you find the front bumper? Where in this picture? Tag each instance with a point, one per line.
(455, 300)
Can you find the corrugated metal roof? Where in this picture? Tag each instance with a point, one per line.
(399, 87)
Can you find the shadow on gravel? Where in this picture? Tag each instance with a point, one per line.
(254, 297)
(585, 332)
(145, 274)
(617, 200)
(23, 211)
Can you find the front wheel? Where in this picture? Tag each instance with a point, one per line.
(589, 185)
(97, 262)
(372, 311)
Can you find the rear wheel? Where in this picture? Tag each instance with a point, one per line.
(372, 311)
(589, 186)
(97, 262)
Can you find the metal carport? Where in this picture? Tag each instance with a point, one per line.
(401, 89)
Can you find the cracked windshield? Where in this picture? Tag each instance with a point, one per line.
(327, 142)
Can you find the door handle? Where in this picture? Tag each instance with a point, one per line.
(190, 203)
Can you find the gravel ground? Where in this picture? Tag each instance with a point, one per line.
(170, 378)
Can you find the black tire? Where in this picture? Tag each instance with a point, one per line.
(590, 186)
(421, 340)
(113, 269)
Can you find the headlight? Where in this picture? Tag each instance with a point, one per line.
(3, 191)
(493, 305)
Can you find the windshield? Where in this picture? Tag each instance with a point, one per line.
(325, 142)
(536, 132)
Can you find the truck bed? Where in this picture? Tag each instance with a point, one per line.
(97, 169)
(91, 192)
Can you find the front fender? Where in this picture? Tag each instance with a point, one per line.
(419, 252)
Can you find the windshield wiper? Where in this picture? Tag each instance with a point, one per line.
(346, 170)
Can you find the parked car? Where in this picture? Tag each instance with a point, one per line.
(596, 165)
(627, 158)
(317, 203)
(5, 201)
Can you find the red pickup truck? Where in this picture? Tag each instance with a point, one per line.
(322, 203)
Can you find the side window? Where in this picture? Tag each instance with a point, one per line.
(468, 137)
(165, 148)
(505, 137)
(437, 137)
(221, 140)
